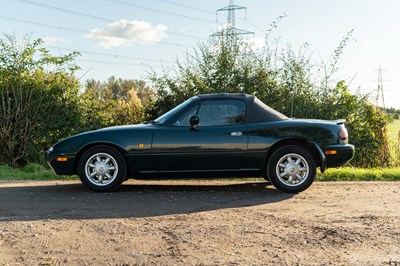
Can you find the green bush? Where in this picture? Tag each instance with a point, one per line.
(287, 81)
(39, 101)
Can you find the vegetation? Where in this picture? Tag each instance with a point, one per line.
(42, 101)
(287, 81)
(394, 140)
(393, 113)
(360, 174)
(114, 102)
(30, 171)
(36, 90)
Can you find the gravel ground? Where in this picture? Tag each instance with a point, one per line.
(194, 222)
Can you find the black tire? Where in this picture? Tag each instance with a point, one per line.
(287, 175)
(104, 175)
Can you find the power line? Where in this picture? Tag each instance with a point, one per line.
(42, 24)
(71, 29)
(91, 16)
(116, 63)
(189, 7)
(63, 10)
(110, 55)
(160, 11)
(254, 25)
(210, 12)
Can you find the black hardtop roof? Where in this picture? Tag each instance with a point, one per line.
(257, 111)
(217, 96)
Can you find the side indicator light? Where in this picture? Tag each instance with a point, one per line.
(331, 152)
(62, 159)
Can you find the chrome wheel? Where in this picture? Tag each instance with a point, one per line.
(292, 169)
(101, 169)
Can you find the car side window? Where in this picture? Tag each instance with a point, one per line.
(221, 112)
(183, 120)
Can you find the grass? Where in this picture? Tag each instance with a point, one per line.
(374, 174)
(40, 172)
(360, 174)
(30, 172)
(394, 147)
(393, 131)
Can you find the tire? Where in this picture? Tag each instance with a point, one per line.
(292, 169)
(102, 169)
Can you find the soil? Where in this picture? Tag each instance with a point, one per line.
(195, 222)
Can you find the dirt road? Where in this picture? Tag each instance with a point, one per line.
(199, 223)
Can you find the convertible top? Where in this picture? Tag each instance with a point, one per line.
(257, 111)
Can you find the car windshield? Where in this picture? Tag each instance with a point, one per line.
(162, 119)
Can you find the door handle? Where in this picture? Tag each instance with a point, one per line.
(236, 134)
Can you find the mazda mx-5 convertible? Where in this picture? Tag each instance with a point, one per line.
(211, 135)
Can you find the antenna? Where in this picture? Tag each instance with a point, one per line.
(231, 33)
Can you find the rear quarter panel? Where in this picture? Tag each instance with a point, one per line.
(262, 136)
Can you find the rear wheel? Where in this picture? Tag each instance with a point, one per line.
(291, 169)
(102, 168)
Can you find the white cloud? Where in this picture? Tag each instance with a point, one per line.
(52, 40)
(125, 33)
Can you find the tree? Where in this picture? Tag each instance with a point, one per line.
(287, 81)
(117, 102)
(216, 68)
(38, 99)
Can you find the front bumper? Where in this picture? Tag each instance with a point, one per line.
(61, 167)
(344, 153)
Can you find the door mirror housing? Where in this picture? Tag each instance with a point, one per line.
(194, 120)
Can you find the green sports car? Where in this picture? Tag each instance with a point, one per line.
(211, 135)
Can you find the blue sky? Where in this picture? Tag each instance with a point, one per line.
(156, 32)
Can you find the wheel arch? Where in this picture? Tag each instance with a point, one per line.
(312, 147)
(94, 144)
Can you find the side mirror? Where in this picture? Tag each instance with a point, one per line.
(194, 120)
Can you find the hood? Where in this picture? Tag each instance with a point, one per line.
(123, 127)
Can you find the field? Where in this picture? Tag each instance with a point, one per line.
(394, 136)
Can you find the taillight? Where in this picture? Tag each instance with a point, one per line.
(343, 134)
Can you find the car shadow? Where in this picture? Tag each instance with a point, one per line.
(74, 201)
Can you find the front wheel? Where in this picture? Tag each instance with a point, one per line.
(102, 168)
(291, 169)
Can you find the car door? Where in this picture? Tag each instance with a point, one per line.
(217, 143)
(172, 143)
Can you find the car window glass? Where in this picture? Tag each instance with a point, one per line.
(213, 113)
(183, 120)
(165, 117)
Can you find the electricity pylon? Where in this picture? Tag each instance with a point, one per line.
(231, 33)
(379, 91)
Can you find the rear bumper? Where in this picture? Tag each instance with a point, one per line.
(344, 153)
